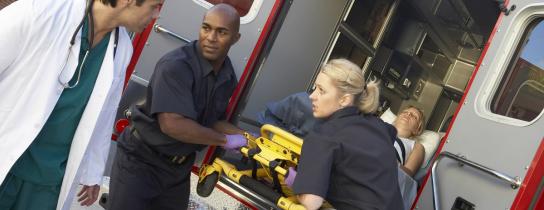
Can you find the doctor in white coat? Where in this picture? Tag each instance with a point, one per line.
(40, 41)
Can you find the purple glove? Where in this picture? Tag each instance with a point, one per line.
(235, 141)
(290, 179)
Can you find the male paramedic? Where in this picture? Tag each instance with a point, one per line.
(62, 66)
(184, 110)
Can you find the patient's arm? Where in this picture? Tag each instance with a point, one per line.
(414, 160)
(310, 201)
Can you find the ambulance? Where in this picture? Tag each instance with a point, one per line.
(476, 68)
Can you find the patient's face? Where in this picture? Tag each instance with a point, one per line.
(325, 98)
(410, 119)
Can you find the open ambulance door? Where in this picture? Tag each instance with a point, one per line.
(178, 24)
(493, 156)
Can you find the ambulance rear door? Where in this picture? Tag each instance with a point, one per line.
(493, 155)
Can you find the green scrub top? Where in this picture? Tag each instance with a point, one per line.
(44, 162)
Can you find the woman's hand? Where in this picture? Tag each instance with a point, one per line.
(290, 179)
(310, 201)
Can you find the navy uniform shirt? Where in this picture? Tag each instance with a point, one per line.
(349, 161)
(185, 83)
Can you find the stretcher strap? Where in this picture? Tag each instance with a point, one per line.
(260, 188)
(254, 168)
(273, 164)
(253, 162)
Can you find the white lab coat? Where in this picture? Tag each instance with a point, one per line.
(34, 41)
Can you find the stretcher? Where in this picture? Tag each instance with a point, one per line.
(270, 156)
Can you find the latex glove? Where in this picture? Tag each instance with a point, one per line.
(235, 141)
(290, 179)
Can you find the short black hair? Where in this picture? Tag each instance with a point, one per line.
(113, 3)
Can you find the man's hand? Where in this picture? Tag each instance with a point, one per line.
(88, 195)
(235, 141)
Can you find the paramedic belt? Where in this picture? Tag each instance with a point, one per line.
(173, 159)
(151, 134)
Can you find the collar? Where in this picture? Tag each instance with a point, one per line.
(345, 112)
(85, 33)
(225, 72)
(206, 66)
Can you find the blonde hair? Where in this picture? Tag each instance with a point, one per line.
(421, 119)
(349, 79)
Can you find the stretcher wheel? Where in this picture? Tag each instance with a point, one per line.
(205, 187)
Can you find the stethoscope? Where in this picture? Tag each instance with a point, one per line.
(90, 40)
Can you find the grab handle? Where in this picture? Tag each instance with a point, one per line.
(514, 182)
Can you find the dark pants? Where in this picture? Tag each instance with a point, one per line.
(141, 179)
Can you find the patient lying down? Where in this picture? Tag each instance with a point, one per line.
(409, 124)
(294, 114)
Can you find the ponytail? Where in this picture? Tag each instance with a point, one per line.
(370, 97)
(349, 78)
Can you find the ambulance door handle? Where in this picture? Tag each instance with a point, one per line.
(514, 182)
(160, 29)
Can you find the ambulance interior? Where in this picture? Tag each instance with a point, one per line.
(423, 52)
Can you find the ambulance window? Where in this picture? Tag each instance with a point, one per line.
(521, 91)
(242, 6)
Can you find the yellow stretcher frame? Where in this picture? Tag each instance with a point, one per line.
(275, 146)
